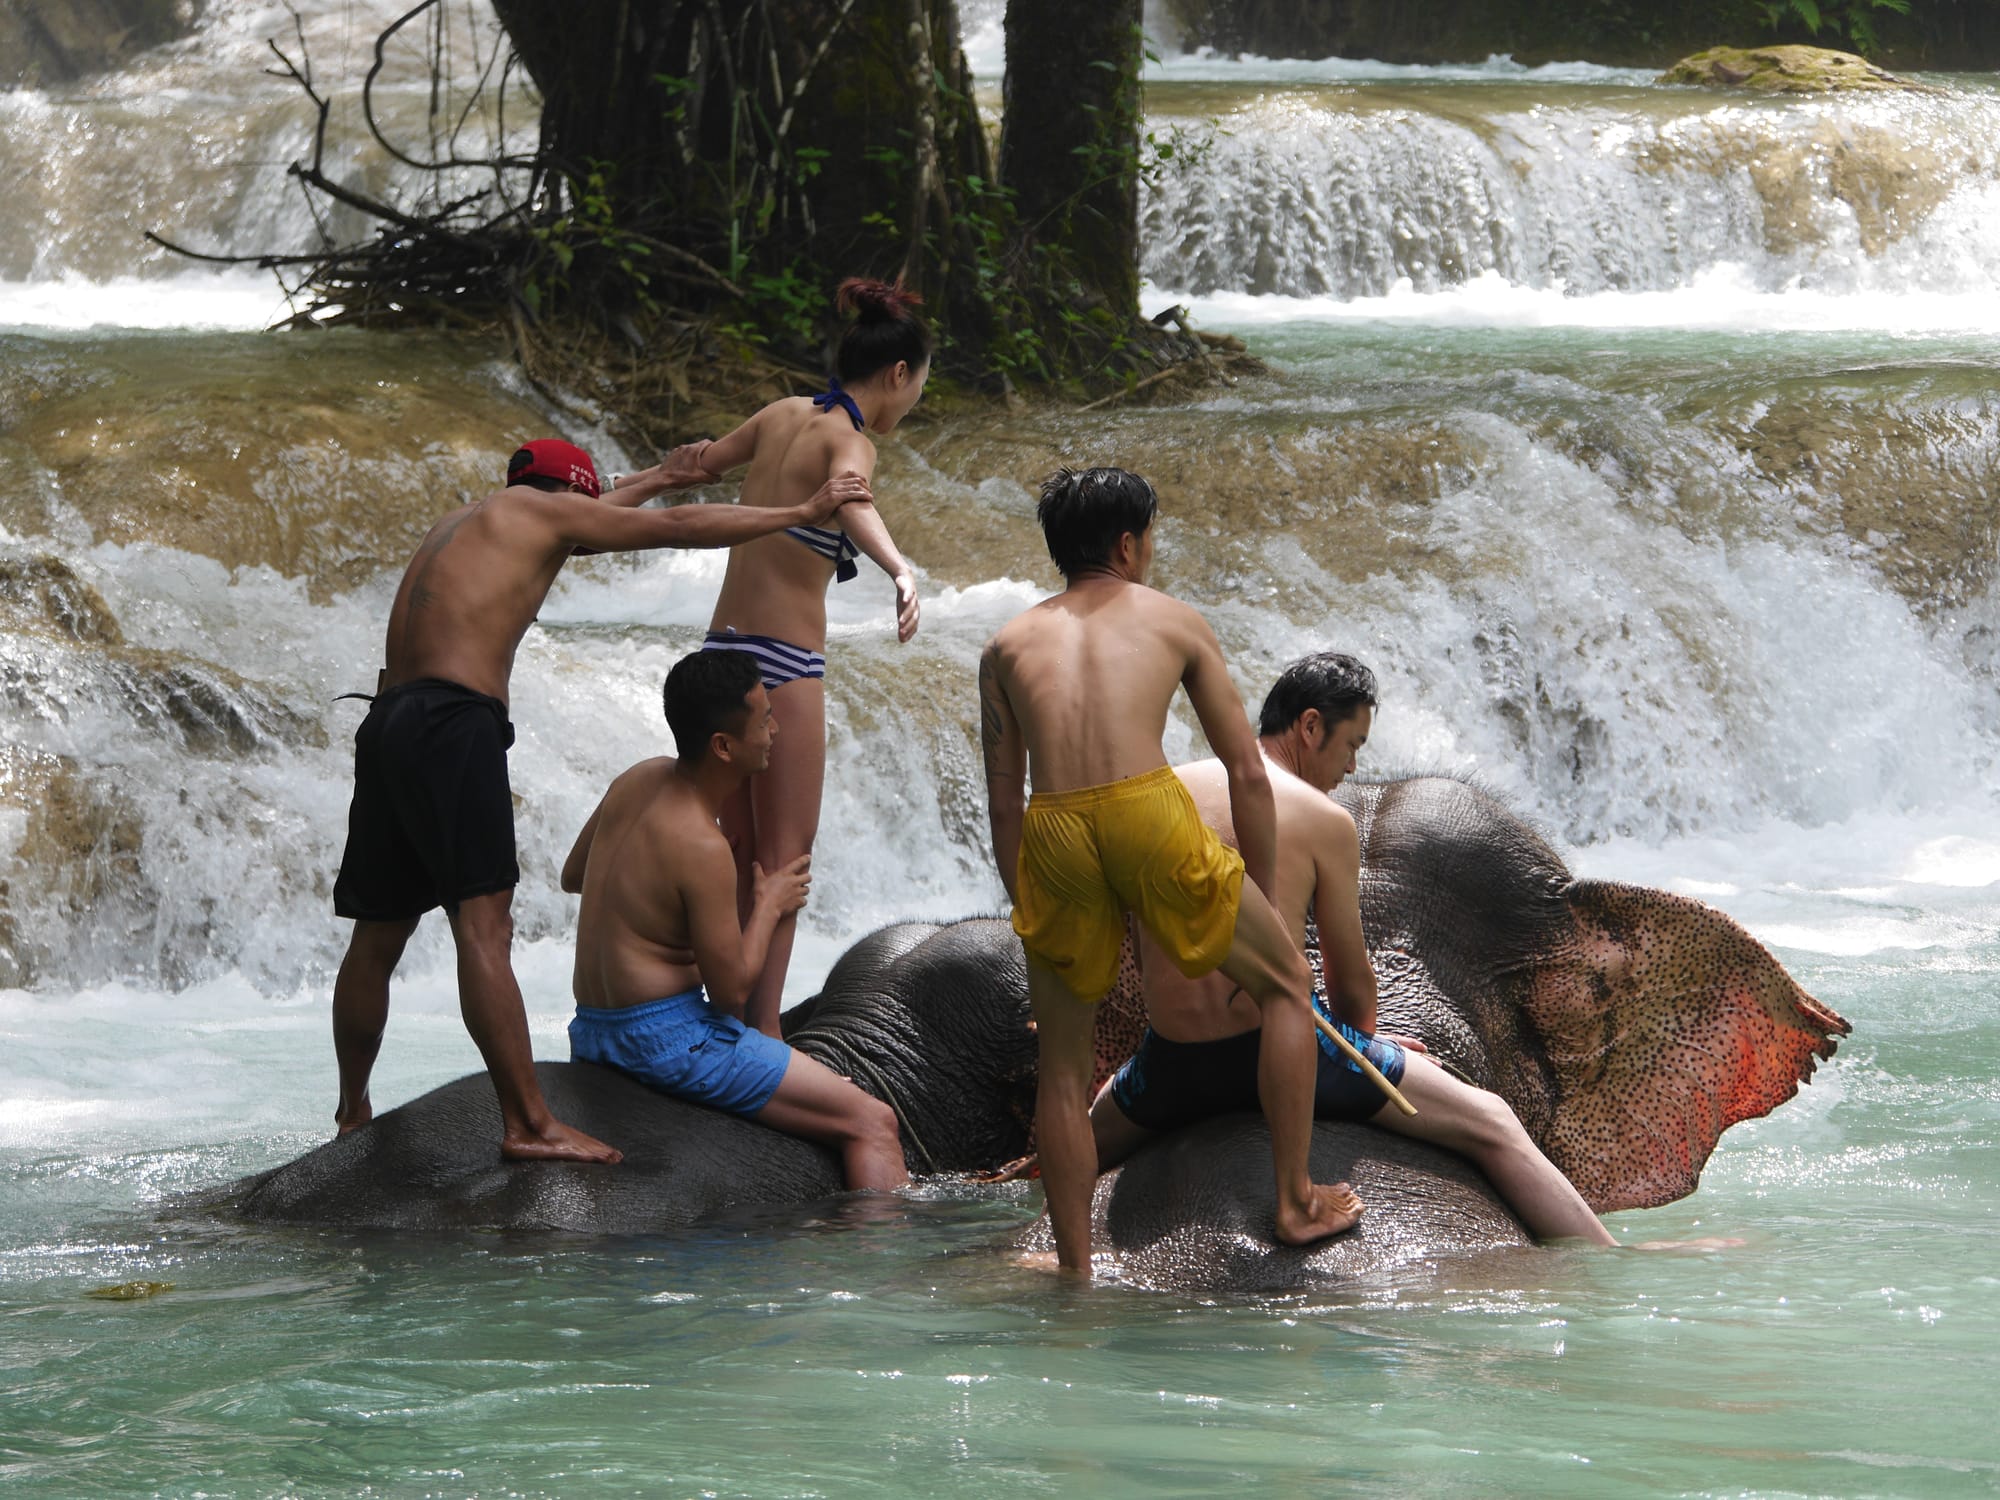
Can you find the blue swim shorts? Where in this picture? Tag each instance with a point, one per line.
(684, 1047)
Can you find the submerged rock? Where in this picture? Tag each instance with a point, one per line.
(1786, 70)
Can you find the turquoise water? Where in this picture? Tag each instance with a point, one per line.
(1846, 1348)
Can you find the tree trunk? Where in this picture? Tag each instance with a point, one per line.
(742, 156)
(1069, 148)
(787, 143)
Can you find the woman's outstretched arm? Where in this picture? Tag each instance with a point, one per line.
(864, 523)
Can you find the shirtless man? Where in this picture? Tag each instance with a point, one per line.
(432, 822)
(1198, 1057)
(1076, 690)
(659, 920)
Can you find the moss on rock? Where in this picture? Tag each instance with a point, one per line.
(1786, 70)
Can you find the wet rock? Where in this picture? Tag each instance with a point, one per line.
(208, 709)
(323, 457)
(1786, 70)
(43, 592)
(1905, 463)
(78, 856)
(1340, 491)
(55, 41)
(1887, 181)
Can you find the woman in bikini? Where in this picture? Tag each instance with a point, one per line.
(773, 602)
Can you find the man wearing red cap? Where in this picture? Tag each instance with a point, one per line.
(432, 821)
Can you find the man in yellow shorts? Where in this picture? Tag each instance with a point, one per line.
(1076, 691)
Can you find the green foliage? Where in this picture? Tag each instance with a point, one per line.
(1844, 20)
(586, 245)
(788, 305)
(1178, 150)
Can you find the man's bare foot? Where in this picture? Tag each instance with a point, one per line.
(557, 1142)
(1707, 1242)
(346, 1119)
(1331, 1210)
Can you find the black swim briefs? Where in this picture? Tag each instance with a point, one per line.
(1167, 1084)
(432, 821)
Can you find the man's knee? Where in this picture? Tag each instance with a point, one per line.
(379, 945)
(1491, 1123)
(485, 921)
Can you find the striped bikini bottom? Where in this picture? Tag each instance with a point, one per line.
(779, 661)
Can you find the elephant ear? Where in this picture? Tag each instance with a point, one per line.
(1664, 1023)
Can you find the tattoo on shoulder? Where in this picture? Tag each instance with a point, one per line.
(992, 704)
(421, 593)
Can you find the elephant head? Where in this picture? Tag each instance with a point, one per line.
(1627, 1027)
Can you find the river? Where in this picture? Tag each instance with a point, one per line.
(1646, 442)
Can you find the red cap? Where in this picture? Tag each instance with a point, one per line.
(552, 458)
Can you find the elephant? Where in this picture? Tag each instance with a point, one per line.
(1627, 1028)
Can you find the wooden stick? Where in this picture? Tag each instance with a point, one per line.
(1361, 1061)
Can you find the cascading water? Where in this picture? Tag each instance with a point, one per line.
(1644, 440)
(1313, 193)
(194, 141)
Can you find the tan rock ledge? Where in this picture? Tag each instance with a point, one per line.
(1787, 70)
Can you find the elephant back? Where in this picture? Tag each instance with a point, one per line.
(1194, 1210)
(432, 1164)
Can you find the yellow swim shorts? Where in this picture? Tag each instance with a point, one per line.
(1138, 845)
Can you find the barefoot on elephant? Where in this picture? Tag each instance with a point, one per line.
(346, 1120)
(1333, 1210)
(557, 1142)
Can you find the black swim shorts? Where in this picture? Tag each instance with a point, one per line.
(1167, 1084)
(432, 821)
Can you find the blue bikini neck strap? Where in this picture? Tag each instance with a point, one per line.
(834, 396)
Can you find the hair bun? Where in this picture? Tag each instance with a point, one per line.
(876, 301)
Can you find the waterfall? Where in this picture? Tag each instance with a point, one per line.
(1303, 194)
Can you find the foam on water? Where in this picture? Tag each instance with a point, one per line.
(1722, 298)
(1205, 65)
(238, 301)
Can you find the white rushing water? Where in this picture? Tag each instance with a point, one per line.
(194, 140)
(1888, 201)
(1580, 638)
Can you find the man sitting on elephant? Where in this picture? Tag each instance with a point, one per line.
(1077, 689)
(659, 919)
(1199, 1054)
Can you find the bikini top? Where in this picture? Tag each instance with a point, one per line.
(829, 541)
